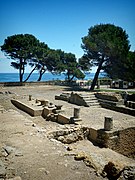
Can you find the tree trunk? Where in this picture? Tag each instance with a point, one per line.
(21, 76)
(68, 76)
(23, 68)
(97, 74)
(30, 74)
(20, 71)
(72, 78)
(41, 74)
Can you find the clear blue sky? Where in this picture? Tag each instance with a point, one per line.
(62, 23)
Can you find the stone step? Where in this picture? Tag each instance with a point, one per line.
(90, 98)
(86, 96)
(92, 101)
(93, 104)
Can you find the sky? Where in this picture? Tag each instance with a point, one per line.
(62, 23)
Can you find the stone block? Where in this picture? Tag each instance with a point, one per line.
(33, 111)
(76, 112)
(63, 119)
(47, 111)
(92, 134)
(108, 123)
(44, 102)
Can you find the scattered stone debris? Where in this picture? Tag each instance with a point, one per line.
(6, 170)
(128, 173)
(68, 136)
(6, 92)
(111, 171)
(80, 156)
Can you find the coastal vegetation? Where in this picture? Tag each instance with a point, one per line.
(25, 49)
(106, 46)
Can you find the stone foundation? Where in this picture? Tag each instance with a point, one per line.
(121, 141)
(33, 111)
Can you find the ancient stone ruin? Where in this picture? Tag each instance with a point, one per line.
(119, 140)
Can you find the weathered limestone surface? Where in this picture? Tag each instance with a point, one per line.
(33, 111)
(47, 111)
(122, 141)
(62, 119)
(109, 96)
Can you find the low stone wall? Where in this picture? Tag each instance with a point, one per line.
(26, 108)
(62, 119)
(121, 109)
(115, 102)
(109, 96)
(63, 96)
(46, 112)
(27, 83)
(11, 84)
(53, 82)
(121, 141)
(76, 99)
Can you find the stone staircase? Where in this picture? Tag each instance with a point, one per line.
(81, 99)
(90, 100)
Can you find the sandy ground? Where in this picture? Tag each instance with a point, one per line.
(26, 151)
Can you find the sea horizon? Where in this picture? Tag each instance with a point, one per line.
(14, 77)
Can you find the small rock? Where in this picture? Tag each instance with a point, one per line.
(111, 171)
(44, 170)
(9, 92)
(33, 125)
(128, 173)
(89, 162)
(80, 156)
(47, 172)
(70, 138)
(60, 138)
(15, 178)
(9, 149)
(3, 153)
(18, 153)
(60, 133)
(69, 148)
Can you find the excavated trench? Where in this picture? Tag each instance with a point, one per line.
(119, 140)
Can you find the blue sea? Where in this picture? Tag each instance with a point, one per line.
(14, 77)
